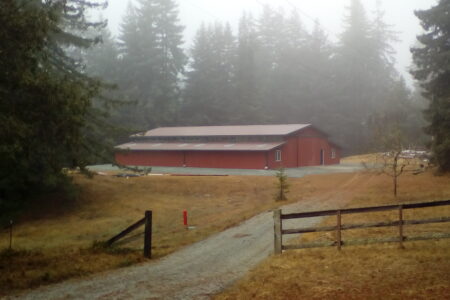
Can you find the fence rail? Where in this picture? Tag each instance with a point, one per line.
(147, 222)
(279, 231)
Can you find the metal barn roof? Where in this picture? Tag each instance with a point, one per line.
(236, 130)
(200, 146)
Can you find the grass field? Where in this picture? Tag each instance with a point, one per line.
(381, 271)
(56, 240)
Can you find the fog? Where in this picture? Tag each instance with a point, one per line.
(334, 64)
(398, 13)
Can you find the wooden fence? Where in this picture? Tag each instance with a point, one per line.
(279, 231)
(147, 222)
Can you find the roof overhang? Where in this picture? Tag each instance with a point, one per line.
(144, 146)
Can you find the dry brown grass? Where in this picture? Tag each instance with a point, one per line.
(380, 271)
(55, 242)
(420, 271)
(363, 158)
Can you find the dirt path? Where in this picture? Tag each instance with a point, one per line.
(199, 270)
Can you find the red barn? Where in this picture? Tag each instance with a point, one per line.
(241, 147)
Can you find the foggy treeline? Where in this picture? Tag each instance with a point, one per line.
(272, 70)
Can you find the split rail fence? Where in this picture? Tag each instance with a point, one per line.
(147, 222)
(338, 242)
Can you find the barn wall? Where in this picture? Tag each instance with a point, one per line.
(277, 164)
(288, 155)
(337, 158)
(150, 158)
(199, 159)
(226, 159)
(303, 149)
(309, 153)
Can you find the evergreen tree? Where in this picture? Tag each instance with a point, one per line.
(248, 109)
(271, 35)
(365, 76)
(131, 80)
(355, 47)
(197, 90)
(386, 82)
(153, 60)
(45, 108)
(102, 60)
(291, 79)
(382, 36)
(432, 60)
(209, 96)
(318, 107)
(293, 69)
(354, 94)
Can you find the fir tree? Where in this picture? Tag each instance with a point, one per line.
(153, 60)
(432, 60)
(209, 97)
(46, 107)
(248, 108)
(364, 74)
(382, 36)
(353, 60)
(271, 35)
(102, 59)
(292, 75)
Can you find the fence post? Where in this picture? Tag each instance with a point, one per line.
(338, 228)
(400, 225)
(278, 241)
(148, 234)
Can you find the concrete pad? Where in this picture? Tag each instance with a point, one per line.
(291, 172)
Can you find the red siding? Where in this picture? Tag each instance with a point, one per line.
(200, 159)
(303, 149)
(310, 152)
(150, 158)
(225, 159)
(337, 158)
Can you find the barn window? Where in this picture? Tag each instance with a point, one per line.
(333, 153)
(278, 155)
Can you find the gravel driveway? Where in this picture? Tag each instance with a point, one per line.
(197, 271)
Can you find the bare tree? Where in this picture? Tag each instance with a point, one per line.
(392, 164)
(395, 158)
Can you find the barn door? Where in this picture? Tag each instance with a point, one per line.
(322, 158)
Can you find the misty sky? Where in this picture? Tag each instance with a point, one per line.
(399, 13)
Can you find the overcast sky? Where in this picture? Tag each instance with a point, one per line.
(399, 13)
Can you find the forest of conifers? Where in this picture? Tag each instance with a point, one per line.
(271, 70)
